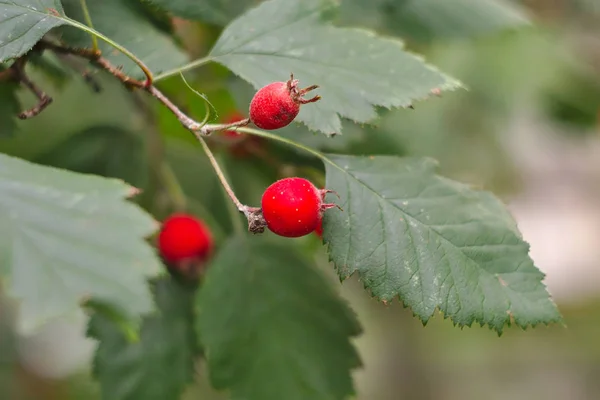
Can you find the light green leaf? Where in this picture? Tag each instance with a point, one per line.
(272, 327)
(126, 23)
(433, 242)
(66, 237)
(161, 364)
(431, 19)
(24, 22)
(354, 68)
(218, 12)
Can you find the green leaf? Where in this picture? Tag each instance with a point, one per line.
(272, 327)
(431, 19)
(159, 365)
(126, 23)
(433, 242)
(67, 237)
(9, 108)
(355, 69)
(104, 150)
(24, 22)
(218, 12)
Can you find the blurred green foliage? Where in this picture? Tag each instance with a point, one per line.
(550, 68)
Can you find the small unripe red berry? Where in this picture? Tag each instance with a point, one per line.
(277, 104)
(183, 237)
(234, 136)
(292, 207)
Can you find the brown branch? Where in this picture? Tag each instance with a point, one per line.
(256, 222)
(18, 73)
(95, 57)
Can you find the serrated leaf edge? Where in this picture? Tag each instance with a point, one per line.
(507, 322)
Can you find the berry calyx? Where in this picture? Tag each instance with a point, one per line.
(183, 238)
(293, 207)
(277, 104)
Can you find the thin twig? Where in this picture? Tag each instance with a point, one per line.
(231, 209)
(18, 71)
(256, 221)
(95, 57)
(186, 121)
(241, 208)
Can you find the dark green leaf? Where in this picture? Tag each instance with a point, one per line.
(24, 22)
(66, 237)
(272, 327)
(102, 150)
(355, 69)
(430, 19)
(433, 242)
(9, 108)
(219, 12)
(161, 364)
(126, 23)
(52, 67)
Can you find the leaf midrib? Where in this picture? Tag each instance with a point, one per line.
(413, 218)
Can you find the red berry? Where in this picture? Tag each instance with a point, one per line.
(184, 237)
(292, 207)
(319, 229)
(230, 119)
(277, 104)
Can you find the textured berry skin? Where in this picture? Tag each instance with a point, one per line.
(184, 237)
(272, 107)
(292, 207)
(277, 104)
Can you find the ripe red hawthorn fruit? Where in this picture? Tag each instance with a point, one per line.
(183, 239)
(277, 104)
(292, 207)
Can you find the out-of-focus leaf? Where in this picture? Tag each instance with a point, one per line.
(219, 12)
(9, 108)
(161, 363)
(434, 19)
(66, 237)
(271, 326)
(126, 24)
(102, 150)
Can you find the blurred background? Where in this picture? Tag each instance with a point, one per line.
(527, 128)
